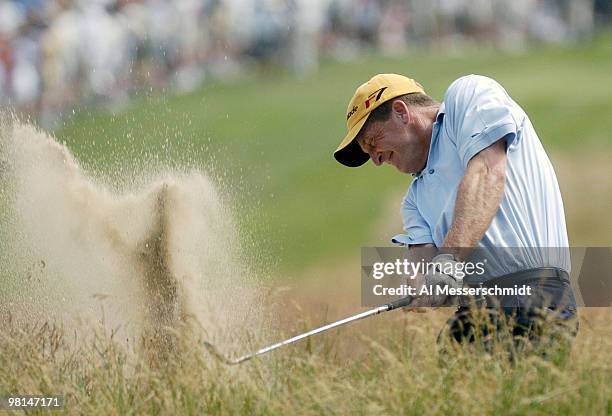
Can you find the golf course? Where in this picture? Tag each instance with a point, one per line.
(297, 222)
(269, 138)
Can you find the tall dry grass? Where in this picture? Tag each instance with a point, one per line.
(392, 369)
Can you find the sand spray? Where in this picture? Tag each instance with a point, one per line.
(148, 262)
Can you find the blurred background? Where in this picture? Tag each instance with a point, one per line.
(254, 92)
(59, 54)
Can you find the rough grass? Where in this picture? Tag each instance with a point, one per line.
(394, 369)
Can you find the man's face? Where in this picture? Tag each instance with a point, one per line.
(395, 141)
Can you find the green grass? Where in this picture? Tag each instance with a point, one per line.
(268, 139)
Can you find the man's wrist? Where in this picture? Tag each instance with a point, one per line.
(459, 252)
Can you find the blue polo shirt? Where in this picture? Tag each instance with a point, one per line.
(475, 113)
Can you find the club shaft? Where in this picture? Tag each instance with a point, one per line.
(324, 328)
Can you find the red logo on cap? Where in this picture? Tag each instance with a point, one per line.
(377, 93)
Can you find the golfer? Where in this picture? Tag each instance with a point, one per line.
(482, 180)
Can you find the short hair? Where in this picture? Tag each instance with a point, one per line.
(383, 112)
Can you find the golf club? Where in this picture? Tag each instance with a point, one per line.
(400, 303)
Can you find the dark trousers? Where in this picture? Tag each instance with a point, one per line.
(544, 321)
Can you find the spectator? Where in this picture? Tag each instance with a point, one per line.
(57, 54)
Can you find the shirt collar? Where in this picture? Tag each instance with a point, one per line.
(441, 112)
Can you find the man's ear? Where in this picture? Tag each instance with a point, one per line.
(400, 109)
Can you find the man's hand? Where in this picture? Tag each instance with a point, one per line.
(433, 281)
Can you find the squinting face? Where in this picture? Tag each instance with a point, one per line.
(394, 142)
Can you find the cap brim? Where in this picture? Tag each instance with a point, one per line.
(349, 152)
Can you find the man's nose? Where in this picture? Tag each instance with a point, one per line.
(376, 157)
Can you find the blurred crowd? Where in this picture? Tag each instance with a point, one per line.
(59, 54)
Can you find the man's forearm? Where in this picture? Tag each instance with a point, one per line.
(478, 198)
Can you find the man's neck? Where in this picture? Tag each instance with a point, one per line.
(427, 118)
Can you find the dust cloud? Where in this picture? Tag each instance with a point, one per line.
(159, 258)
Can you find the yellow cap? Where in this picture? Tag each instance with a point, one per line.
(368, 97)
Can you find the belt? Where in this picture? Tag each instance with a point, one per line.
(522, 277)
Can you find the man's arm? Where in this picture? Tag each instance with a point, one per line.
(478, 198)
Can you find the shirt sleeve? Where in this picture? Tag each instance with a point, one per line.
(482, 114)
(416, 228)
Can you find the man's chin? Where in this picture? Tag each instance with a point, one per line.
(403, 169)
